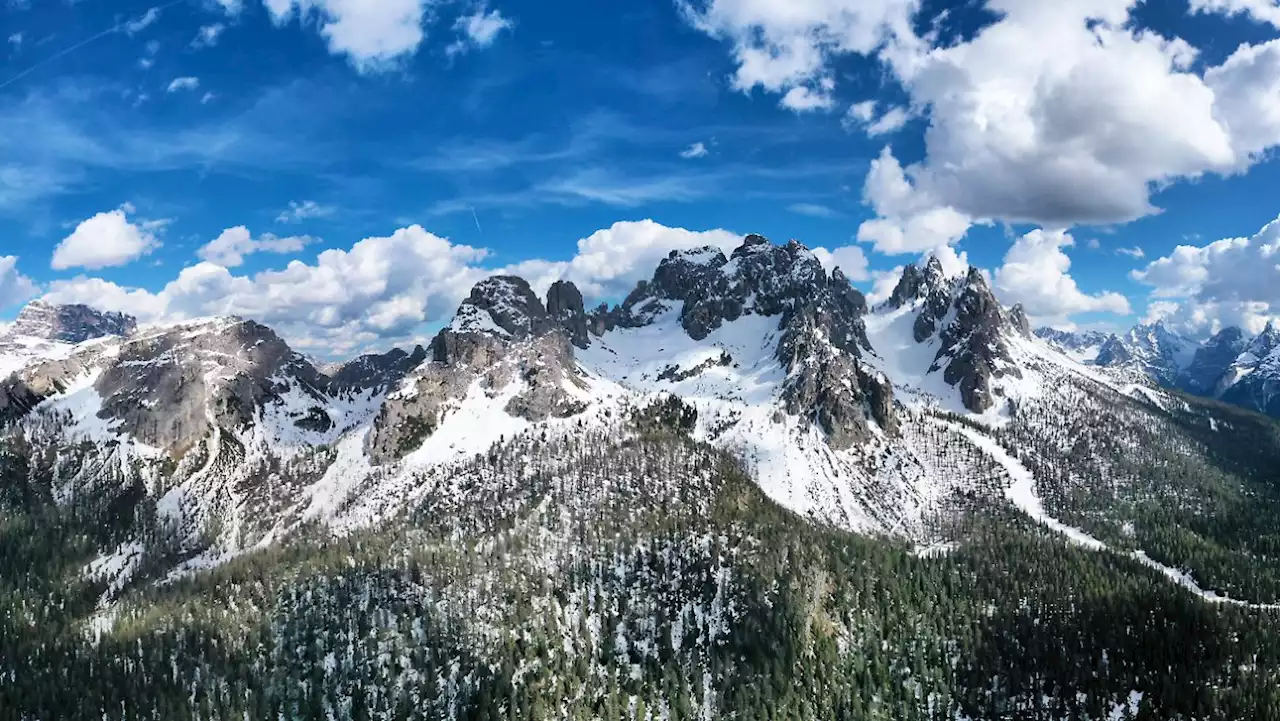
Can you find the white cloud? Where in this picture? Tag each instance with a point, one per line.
(1266, 11)
(184, 83)
(882, 284)
(307, 209)
(813, 210)
(803, 98)
(373, 35)
(107, 240)
(1134, 252)
(849, 259)
(1094, 116)
(478, 30)
(1246, 90)
(910, 219)
(14, 286)
(142, 22)
(233, 244)
(1233, 269)
(16, 40)
(863, 115)
(1035, 274)
(208, 35)
(1201, 320)
(207, 98)
(231, 7)
(787, 47)
(697, 150)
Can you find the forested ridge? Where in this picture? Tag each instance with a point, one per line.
(643, 576)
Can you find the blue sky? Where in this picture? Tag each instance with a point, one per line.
(133, 135)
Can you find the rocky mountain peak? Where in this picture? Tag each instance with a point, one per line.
(374, 371)
(504, 305)
(1266, 342)
(1151, 348)
(971, 329)
(1213, 359)
(1018, 316)
(752, 243)
(70, 323)
(565, 308)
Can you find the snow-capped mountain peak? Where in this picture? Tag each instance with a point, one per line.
(1152, 349)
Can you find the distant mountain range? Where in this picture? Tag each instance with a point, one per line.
(1232, 366)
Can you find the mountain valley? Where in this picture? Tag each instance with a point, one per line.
(744, 491)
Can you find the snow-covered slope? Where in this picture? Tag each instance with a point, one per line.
(1152, 349)
(1080, 346)
(240, 441)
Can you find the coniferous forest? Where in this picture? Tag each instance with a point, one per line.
(647, 577)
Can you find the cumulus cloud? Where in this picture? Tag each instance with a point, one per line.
(106, 240)
(910, 219)
(787, 47)
(1095, 115)
(1266, 11)
(307, 209)
(1035, 274)
(849, 259)
(804, 98)
(14, 286)
(1134, 252)
(478, 30)
(373, 35)
(697, 150)
(183, 83)
(233, 244)
(1234, 281)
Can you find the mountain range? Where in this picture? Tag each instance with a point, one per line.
(1232, 365)
(537, 463)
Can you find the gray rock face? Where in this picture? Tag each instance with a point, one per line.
(565, 307)
(160, 384)
(70, 323)
(1152, 349)
(820, 316)
(374, 371)
(1018, 317)
(971, 327)
(931, 289)
(974, 349)
(1212, 361)
(504, 303)
(501, 335)
(1253, 380)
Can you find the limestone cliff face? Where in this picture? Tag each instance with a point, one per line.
(971, 329)
(820, 316)
(502, 339)
(70, 323)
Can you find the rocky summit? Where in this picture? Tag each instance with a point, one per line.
(69, 323)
